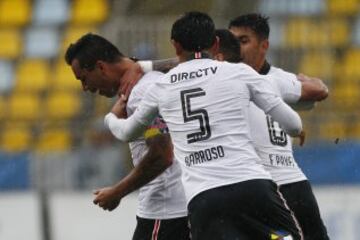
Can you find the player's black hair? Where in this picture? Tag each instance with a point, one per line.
(194, 31)
(229, 45)
(255, 21)
(91, 48)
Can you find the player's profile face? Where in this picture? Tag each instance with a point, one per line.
(251, 48)
(95, 80)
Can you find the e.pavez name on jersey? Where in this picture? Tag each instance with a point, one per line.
(194, 74)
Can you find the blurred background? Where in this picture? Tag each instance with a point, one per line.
(54, 150)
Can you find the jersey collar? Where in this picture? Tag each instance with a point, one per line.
(265, 68)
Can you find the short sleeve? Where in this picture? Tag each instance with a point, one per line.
(289, 87)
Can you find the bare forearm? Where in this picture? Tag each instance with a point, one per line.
(313, 89)
(164, 65)
(156, 161)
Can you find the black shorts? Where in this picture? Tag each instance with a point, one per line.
(161, 229)
(301, 200)
(247, 210)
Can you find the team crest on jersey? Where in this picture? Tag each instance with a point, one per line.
(158, 126)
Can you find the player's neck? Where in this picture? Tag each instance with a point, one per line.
(187, 56)
(122, 67)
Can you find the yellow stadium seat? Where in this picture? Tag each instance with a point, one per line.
(303, 32)
(72, 34)
(345, 96)
(354, 132)
(307, 32)
(318, 64)
(15, 12)
(23, 106)
(343, 7)
(2, 107)
(64, 78)
(32, 75)
(57, 139)
(62, 105)
(89, 11)
(349, 68)
(15, 139)
(338, 31)
(11, 43)
(332, 129)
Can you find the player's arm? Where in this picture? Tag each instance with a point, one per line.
(162, 65)
(312, 89)
(133, 127)
(264, 96)
(157, 159)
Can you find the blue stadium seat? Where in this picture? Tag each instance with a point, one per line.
(41, 42)
(52, 12)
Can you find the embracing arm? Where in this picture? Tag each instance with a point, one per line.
(162, 65)
(157, 159)
(312, 89)
(131, 128)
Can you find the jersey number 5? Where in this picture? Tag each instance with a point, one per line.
(191, 115)
(277, 135)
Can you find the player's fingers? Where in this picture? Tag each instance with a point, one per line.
(96, 192)
(302, 138)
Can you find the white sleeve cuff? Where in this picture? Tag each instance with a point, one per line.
(146, 66)
(124, 129)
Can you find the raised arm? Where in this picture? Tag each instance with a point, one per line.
(157, 159)
(312, 89)
(162, 65)
(264, 96)
(133, 127)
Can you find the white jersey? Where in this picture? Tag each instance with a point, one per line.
(205, 104)
(272, 144)
(164, 197)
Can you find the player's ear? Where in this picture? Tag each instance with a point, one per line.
(219, 56)
(265, 44)
(177, 46)
(100, 65)
(215, 47)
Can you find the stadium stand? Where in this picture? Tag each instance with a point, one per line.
(54, 139)
(11, 43)
(317, 37)
(6, 76)
(15, 13)
(32, 75)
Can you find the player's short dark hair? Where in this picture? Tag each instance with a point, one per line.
(229, 45)
(255, 21)
(91, 48)
(194, 31)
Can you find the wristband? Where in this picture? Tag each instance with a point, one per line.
(146, 66)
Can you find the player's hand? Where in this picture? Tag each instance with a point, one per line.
(119, 108)
(301, 137)
(302, 77)
(106, 198)
(130, 79)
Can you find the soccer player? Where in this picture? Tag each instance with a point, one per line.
(205, 105)
(272, 144)
(161, 212)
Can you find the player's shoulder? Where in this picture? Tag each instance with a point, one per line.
(147, 80)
